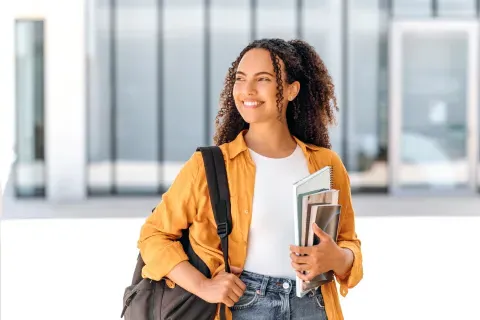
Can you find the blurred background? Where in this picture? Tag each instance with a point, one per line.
(103, 101)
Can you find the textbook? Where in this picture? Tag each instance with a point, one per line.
(315, 201)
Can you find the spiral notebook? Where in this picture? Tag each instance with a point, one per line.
(315, 200)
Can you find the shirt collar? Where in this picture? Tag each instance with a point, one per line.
(238, 145)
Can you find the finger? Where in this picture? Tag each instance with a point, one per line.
(236, 270)
(239, 283)
(305, 277)
(301, 250)
(299, 259)
(228, 301)
(319, 232)
(236, 291)
(300, 267)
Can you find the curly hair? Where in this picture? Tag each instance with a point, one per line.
(308, 115)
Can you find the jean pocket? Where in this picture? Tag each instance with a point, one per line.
(247, 300)
(318, 299)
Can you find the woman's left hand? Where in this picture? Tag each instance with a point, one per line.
(315, 260)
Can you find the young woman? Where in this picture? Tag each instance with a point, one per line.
(272, 127)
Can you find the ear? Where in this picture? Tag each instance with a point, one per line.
(293, 90)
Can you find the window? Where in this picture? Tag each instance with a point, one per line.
(136, 99)
(276, 19)
(227, 40)
(29, 174)
(321, 26)
(99, 100)
(367, 109)
(184, 124)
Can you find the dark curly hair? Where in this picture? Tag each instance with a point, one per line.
(308, 115)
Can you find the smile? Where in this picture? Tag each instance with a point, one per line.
(252, 104)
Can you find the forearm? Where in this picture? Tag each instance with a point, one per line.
(345, 263)
(187, 277)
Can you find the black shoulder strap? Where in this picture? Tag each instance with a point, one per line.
(219, 194)
(220, 199)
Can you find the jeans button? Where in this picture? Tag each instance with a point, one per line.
(286, 285)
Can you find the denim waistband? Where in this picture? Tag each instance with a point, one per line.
(261, 283)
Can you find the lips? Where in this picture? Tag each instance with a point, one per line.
(251, 104)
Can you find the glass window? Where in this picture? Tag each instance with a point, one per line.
(410, 8)
(367, 138)
(30, 148)
(227, 40)
(136, 119)
(99, 37)
(276, 19)
(456, 8)
(434, 109)
(183, 100)
(322, 28)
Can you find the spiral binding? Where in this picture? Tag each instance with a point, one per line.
(331, 176)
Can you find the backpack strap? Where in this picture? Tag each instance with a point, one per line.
(220, 199)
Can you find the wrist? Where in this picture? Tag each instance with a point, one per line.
(344, 262)
(200, 288)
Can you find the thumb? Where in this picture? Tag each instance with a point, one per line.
(235, 270)
(319, 232)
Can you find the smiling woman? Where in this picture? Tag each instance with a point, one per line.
(272, 127)
(288, 75)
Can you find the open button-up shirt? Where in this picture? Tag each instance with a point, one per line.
(187, 205)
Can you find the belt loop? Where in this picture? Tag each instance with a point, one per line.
(263, 286)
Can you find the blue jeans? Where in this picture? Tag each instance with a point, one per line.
(274, 298)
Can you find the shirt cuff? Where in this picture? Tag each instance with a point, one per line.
(355, 274)
(164, 261)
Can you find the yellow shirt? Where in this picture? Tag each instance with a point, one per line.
(187, 203)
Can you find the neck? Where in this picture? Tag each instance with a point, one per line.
(270, 139)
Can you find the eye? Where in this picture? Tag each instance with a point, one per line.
(263, 79)
(238, 79)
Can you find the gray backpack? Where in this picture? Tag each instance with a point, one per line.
(146, 299)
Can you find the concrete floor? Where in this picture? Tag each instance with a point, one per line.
(72, 261)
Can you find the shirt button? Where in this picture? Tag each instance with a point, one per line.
(246, 211)
(286, 285)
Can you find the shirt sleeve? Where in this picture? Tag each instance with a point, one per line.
(158, 243)
(347, 236)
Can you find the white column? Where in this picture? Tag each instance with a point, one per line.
(7, 93)
(65, 109)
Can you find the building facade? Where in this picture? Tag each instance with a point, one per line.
(112, 97)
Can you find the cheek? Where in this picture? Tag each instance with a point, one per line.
(236, 91)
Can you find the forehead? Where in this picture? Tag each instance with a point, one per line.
(257, 60)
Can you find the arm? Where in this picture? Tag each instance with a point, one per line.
(350, 272)
(158, 243)
(164, 255)
(225, 288)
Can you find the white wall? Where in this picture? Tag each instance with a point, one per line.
(65, 111)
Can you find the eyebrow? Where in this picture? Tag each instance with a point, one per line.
(256, 74)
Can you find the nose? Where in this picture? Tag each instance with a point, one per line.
(250, 88)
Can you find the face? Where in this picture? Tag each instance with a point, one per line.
(255, 88)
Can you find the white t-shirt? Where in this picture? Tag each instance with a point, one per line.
(272, 229)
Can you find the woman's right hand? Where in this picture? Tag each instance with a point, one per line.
(224, 288)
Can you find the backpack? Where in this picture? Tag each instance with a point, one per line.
(146, 299)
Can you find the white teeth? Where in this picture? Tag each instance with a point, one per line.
(250, 103)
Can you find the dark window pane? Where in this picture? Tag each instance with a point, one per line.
(136, 114)
(367, 138)
(184, 97)
(29, 54)
(411, 8)
(100, 174)
(456, 8)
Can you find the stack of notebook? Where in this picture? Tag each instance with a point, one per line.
(315, 202)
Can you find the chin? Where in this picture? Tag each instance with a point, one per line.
(250, 118)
